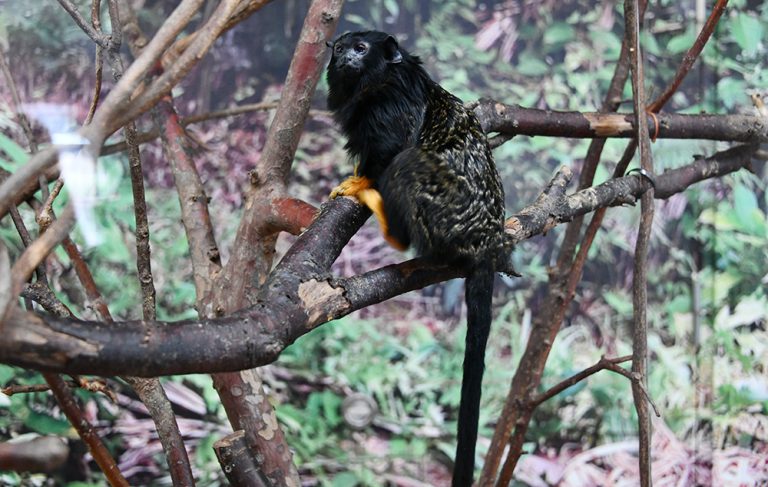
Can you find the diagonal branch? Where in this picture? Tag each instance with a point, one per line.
(299, 296)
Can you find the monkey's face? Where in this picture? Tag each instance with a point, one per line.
(357, 56)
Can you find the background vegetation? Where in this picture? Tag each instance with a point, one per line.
(708, 260)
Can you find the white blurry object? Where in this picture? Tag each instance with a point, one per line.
(78, 167)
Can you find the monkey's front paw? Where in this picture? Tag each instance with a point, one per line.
(351, 186)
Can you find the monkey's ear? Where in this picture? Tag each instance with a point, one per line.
(391, 51)
(329, 43)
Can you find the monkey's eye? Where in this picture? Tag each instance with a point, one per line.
(338, 49)
(360, 48)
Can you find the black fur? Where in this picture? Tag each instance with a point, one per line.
(378, 104)
(430, 160)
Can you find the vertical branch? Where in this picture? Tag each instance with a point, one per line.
(253, 250)
(143, 261)
(60, 390)
(277, 156)
(206, 260)
(562, 283)
(149, 391)
(241, 393)
(639, 282)
(611, 103)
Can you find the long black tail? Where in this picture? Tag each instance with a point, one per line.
(479, 290)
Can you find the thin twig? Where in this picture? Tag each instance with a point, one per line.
(96, 37)
(637, 380)
(45, 216)
(26, 240)
(40, 293)
(85, 430)
(97, 84)
(97, 385)
(40, 248)
(691, 56)
(603, 363)
(143, 137)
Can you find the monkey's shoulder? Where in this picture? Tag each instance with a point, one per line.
(450, 127)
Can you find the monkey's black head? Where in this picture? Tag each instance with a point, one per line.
(355, 54)
(360, 59)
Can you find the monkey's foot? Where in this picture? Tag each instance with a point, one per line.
(352, 186)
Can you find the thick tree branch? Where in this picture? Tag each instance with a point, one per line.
(517, 120)
(299, 295)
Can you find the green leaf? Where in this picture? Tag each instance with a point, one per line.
(681, 43)
(747, 31)
(392, 7)
(744, 200)
(6, 374)
(331, 405)
(619, 302)
(558, 34)
(732, 92)
(13, 150)
(531, 65)
(720, 287)
(748, 214)
(721, 220)
(48, 425)
(345, 479)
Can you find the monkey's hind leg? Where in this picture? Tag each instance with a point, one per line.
(372, 199)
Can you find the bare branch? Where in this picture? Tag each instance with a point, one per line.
(99, 39)
(602, 364)
(39, 454)
(40, 248)
(85, 430)
(639, 276)
(691, 56)
(517, 120)
(299, 296)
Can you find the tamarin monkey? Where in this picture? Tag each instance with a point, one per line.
(426, 172)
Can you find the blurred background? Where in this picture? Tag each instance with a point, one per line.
(708, 258)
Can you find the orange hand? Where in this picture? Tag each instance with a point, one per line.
(351, 186)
